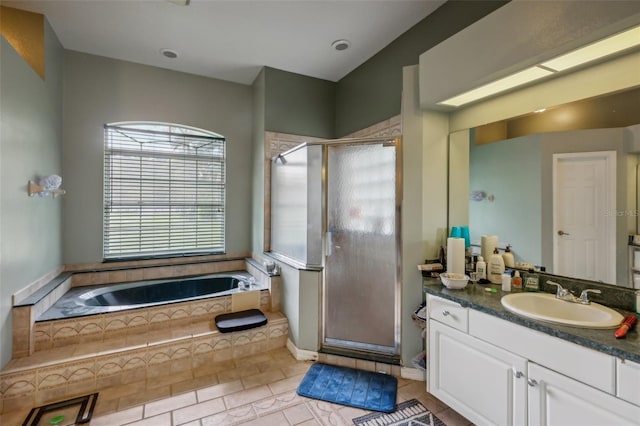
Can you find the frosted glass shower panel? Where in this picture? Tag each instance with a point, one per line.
(296, 215)
(361, 270)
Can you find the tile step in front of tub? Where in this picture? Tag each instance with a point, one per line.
(73, 370)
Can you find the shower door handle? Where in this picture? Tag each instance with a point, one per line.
(328, 244)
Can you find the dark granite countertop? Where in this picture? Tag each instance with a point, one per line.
(474, 296)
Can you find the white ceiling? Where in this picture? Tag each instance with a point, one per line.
(232, 40)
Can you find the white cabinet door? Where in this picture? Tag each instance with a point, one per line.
(485, 384)
(555, 399)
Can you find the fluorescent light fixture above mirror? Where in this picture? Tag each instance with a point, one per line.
(608, 46)
(599, 49)
(506, 83)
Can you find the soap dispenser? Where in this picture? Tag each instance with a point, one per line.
(495, 267)
(507, 257)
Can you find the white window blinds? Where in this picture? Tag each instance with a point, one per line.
(164, 191)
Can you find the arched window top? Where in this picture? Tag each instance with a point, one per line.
(173, 128)
(164, 190)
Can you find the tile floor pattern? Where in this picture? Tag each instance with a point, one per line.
(259, 390)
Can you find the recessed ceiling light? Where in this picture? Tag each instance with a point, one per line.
(341, 44)
(171, 54)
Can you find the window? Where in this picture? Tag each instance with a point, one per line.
(164, 191)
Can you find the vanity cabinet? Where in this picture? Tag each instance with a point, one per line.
(555, 399)
(496, 372)
(482, 382)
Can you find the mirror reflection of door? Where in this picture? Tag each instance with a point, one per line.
(584, 215)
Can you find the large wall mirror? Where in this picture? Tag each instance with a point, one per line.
(559, 185)
(538, 179)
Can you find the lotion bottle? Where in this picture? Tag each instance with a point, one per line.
(507, 256)
(496, 267)
(481, 268)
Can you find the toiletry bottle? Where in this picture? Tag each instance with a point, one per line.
(495, 267)
(507, 256)
(481, 268)
(531, 281)
(506, 282)
(516, 282)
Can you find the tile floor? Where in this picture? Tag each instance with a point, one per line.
(256, 390)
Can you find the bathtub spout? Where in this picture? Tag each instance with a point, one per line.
(247, 283)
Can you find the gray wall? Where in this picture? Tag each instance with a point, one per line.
(372, 92)
(100, 90)
(30, 146)
(299, 105)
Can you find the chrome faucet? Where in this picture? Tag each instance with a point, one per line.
(584, 298)
(564, 294)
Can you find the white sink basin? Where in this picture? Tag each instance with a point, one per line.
(545, 307)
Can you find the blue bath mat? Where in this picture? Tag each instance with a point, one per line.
(347, 386)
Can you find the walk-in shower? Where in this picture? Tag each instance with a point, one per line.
(336, 205)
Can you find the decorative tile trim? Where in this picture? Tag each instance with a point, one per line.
(58, 333)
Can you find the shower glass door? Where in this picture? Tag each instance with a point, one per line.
(361, 266)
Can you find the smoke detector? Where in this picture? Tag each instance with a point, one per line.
(341, 44)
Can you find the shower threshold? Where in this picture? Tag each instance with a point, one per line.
(361, 354)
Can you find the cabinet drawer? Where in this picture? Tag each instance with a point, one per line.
(628, 381)
(449, 313)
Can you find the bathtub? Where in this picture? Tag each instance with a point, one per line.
(90, 300)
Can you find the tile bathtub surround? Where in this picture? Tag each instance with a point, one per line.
(101, 327)
(118, 273)
(70, 372)
(47, 334)
(254, 390)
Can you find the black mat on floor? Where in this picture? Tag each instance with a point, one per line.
(70, 412)
(408, 413)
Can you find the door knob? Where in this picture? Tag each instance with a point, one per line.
(561, 232)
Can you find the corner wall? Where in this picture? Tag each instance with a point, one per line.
(372, 92)
(30, 147)
(424, 201)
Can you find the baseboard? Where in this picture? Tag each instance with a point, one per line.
(301, 354)
(412, 374)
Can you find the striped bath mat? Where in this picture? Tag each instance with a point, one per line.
(408, 413)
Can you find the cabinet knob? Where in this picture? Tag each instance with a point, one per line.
(446, 313)
(518, 374)
(532, 382)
